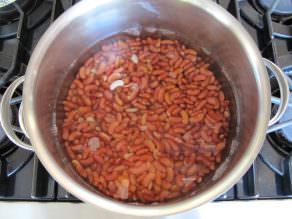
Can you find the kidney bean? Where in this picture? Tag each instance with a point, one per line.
(147, 179)
(185, 117)
(138, 170)
(142, 151)
(70, 153)
(104, 136)
(87, 162)
(81, 171)
(74, 135)
(170, 174)
(150, 145)
(159, 133)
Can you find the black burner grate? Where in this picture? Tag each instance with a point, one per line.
(23, 177)
(277, 7)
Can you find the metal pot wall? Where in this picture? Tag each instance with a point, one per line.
(202, 24)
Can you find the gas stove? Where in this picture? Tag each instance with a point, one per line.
(22, 23)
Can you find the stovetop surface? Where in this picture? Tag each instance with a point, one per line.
(22, 176)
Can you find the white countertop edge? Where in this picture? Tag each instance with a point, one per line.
(218, 210)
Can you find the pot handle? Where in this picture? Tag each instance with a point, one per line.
(284, 90)
(4, 116)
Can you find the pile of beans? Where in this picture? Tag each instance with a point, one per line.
(145, 119)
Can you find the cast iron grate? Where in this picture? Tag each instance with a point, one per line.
(270, 177)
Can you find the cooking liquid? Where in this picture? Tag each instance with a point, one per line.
(146, 119)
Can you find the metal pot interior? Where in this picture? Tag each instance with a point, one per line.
(74, 41)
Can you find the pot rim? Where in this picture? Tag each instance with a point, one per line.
(86, 195)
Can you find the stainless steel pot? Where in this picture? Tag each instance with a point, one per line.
(202, 24)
